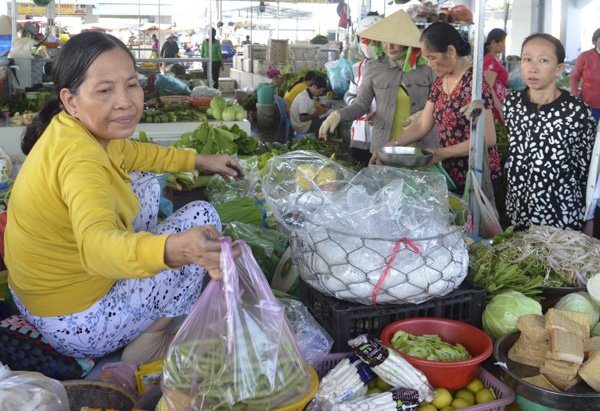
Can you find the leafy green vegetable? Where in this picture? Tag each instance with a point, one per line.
(218, 103)
(502, 313)
(428, 347)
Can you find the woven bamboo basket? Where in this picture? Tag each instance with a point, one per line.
(98, 394)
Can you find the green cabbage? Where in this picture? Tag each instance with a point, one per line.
(209, 112)
(229, 114)
(581, 302)
(502, 313)
(238, 108)
(593, 287)
(217, 114)
(240, 115)
(219, 103)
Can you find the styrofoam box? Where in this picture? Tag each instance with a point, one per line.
(297, 65)
(258, 51)
(277, 50)
(312, 52)
(260, 67)
(226, 85)
(238, 62)
(297, 52)
(247, 65)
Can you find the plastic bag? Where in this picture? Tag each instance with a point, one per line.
(267, 245)
(235, 348)
(489, 225)
(170, 86)
(340, 75)
(515, 79)
(142, 79)
(122, 373)
(22, 49)
(314, 342)
(204, 91)
(27, 390)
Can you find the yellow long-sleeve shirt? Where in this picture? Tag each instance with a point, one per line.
(69, 234)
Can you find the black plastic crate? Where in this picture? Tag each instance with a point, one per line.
(345, 320)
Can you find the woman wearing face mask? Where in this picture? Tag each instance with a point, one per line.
(494, 72)
(587, 66)
(551, 135)
(399, 83)
(362, 127)
(88, 265)
(445, 51)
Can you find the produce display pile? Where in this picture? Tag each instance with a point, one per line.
(542, 256)
(221, 110)
(172, 113)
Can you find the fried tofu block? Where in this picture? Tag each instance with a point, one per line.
(566, 346)
(524, 358)
(541, 381)
(561, 369)
(590, 371)
(566, 321)
(563, 384)
(591, 344)
(533, 327)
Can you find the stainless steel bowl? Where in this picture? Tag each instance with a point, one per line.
(404, 157)
(579, 397)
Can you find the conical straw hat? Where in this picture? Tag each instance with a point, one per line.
(396, 29)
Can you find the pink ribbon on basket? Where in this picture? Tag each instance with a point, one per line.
(410, 243)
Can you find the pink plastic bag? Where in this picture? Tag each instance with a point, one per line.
(235, 349)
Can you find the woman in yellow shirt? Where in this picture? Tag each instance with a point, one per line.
(84, 268)
(298, 87)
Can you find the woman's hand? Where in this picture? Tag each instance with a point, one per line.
(373, 159)
(370, 117)
(221, 164)
(199, 245)
(439, 155)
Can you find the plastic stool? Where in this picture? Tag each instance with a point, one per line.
(298, 135)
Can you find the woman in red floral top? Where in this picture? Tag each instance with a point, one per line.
(445, 50)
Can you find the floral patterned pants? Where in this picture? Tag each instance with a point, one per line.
(132, 305)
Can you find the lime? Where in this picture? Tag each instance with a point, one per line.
(372, 383)
(475, 386)
(426, 407)
(459, 403)
(484, 395)
(382, 385)
(443, 399)
(466, 395)
(448, 408)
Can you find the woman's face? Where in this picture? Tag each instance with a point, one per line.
(110, 100)
(597, 44)
(498, 47)
(441, 63)
(539, 64)
(393, 50)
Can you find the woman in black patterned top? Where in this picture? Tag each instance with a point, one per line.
(551, 136)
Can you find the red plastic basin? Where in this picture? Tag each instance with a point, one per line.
(445, 374)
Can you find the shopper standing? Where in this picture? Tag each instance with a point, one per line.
(494, 72)
(587, 66)
(170, 49)
(217, 58)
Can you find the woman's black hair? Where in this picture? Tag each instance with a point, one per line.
(307, 77)
(319, 81)
(497, 35)
(68, 72)
(559, 49)
(439, 36)
(214, 34)
(596, 36)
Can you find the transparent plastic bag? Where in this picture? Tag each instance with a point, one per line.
(314, 342)
(27, 390)
(235, 349)
(205, 91)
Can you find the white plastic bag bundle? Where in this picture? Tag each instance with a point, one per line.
(28, 390)
(22, 49)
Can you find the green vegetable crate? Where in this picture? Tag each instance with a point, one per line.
(504, 395)
(345, 320)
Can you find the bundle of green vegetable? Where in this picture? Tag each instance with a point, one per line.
(220, 110)
(248, 210)
(428, 347)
